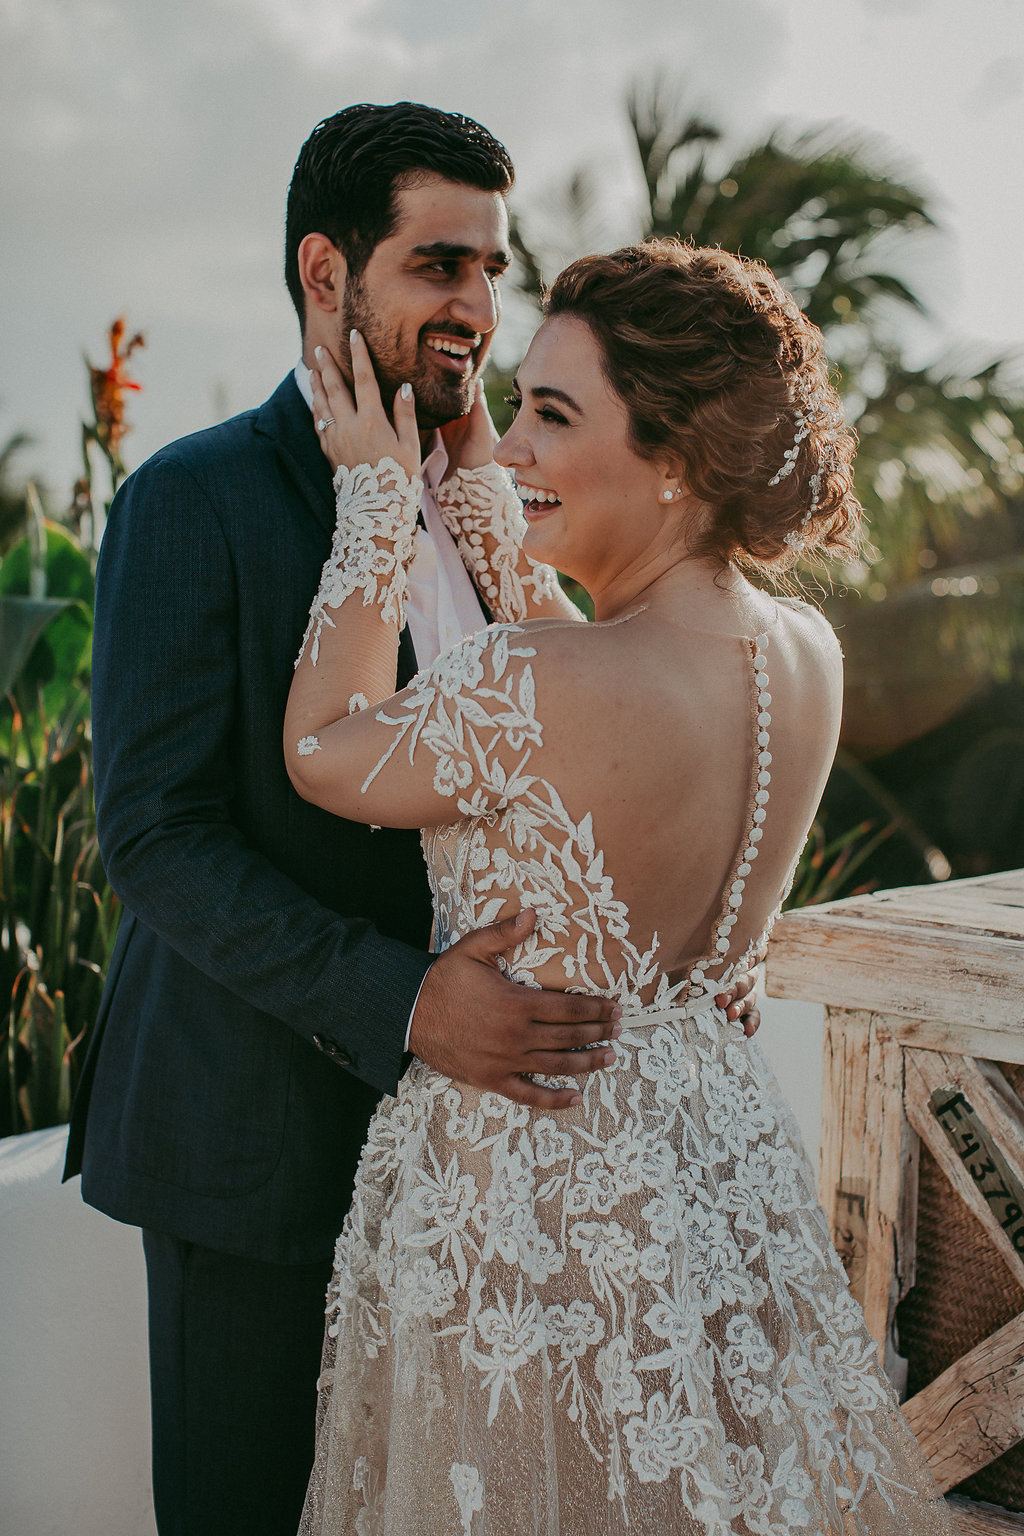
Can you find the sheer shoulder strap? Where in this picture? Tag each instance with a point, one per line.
(760, 779)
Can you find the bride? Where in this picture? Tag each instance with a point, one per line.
(616, 1308)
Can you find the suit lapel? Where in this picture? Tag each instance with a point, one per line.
(286, 420)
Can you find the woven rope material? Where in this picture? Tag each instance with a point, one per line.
(963, 1292)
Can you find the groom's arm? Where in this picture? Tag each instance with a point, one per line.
(166, 678)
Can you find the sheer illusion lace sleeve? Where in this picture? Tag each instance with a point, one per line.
(482, 511)
(457, 741)
(371, 549)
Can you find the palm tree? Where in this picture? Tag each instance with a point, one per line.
(813, 206)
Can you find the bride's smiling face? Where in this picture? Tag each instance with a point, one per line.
(591, 502)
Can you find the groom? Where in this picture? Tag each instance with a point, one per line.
(271, 970)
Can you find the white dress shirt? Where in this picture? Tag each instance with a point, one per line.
(441, 606)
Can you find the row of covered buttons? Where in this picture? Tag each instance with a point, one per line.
(764, 778)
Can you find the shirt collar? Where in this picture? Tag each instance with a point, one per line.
(304, 381)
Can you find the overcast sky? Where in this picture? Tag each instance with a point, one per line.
(147, 146)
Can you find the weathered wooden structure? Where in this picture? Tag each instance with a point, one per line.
(922, 1157)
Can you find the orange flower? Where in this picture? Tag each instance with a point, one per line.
(108, 389)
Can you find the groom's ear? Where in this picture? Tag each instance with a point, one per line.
(323, 272)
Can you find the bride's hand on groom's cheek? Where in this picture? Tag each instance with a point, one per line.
(471, 439)
(352, 424)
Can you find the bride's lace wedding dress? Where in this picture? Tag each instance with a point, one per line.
(624, 1317)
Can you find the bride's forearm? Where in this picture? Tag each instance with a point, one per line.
(482, 511)
(349, 653)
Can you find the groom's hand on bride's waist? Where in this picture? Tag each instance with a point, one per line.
(476, 1026)
(740, 1000)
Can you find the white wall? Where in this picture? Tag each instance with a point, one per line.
(74, 1394)
(792, 1036)
(74, 1390)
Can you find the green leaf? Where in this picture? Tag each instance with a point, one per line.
(22, 622)
(45, 641)
(58, 919)
(68, 572)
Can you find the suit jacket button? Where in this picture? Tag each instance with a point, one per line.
(332, 1049)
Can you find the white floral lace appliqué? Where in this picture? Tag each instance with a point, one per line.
(372, 546)
(483, 512)
(469, 1493)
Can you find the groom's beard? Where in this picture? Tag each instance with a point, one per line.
(440, 397)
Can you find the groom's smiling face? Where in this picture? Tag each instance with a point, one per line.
(427, 301)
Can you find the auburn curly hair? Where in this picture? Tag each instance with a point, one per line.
(713, 361)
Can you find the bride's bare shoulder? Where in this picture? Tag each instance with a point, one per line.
(806, 623)
(618, 666)
(564, 647)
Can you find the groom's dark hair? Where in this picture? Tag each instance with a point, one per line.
(353, 164)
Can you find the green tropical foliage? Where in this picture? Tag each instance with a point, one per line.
(47, 638)
(940, 460)
(58, 915)
(827, 869)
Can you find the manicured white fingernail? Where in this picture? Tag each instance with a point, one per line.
(318, 353)
(352, 336)
(406, 391)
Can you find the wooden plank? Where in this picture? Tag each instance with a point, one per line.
(984, 1519)
(893, 1152)
(992, 903)
(984, 1082)
(959, 1039)
(914, 910)
(974, 1411)
(949, 954)
(842, 1111)
(932, 1079)
(868, 1172)
(954, 910)
(844, 960)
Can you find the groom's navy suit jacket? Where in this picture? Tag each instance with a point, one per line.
(269, 954)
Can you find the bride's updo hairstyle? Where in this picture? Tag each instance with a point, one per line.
(718, 368)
